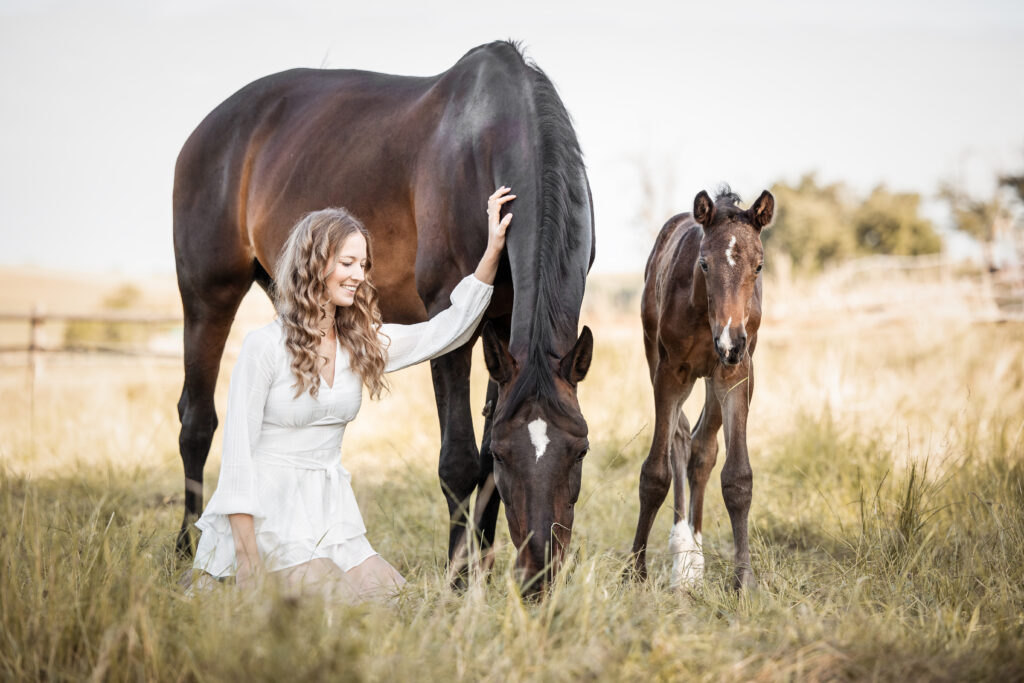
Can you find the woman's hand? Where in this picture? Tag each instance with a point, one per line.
(248, 572)
(248, 565)
(496, 227)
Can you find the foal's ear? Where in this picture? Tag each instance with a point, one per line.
(500, 363)
(763, 210)
(703, 209)
(574, 365)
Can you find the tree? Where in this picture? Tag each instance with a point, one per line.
(1015, 183)
(891, 223)
(982, 219)
(812, 224)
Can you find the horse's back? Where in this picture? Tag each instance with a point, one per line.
(399, 152)
(670, 265)
(307, 110)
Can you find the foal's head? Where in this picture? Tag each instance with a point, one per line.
(730, 262)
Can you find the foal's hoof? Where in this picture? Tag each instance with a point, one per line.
(745, 581)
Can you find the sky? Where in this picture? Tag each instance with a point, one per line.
(97, 97)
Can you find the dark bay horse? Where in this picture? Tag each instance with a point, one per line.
(414, 159)
(701, 308)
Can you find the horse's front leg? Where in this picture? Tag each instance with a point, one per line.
(734, 387)
(488, 502)
(459, 464)
(656, 475)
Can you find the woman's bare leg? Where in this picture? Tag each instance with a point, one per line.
(318, 577)
(374, 579)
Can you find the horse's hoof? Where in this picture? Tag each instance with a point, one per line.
(459, 582)
(745, 582)
(635, 573)
(184, 545)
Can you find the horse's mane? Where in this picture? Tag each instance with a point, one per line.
(562, 195)
(727, 200)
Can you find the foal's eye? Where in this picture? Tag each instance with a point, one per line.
(703, 265)
(759, 267)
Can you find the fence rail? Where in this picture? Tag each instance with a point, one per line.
(38, 317)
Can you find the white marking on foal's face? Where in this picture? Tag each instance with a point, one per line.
(724, 340)
(539, 436)
(728, 252)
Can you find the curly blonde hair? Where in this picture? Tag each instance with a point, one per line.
(300, 293)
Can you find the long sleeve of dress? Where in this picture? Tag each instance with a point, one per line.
(247, 396)
(449, 329)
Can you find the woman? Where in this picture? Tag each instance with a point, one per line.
(283, 504)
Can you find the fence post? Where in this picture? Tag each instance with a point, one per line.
(35, 348)
(35, 341)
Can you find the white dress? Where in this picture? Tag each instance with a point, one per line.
(282, 455)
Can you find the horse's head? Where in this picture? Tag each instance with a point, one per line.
(538, 440)
(730, 260)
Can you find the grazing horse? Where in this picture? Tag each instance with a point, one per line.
(415, 159)
(701, 308)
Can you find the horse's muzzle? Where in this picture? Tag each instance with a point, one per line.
(734, 353)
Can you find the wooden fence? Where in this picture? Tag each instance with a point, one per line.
(37, 318)
(37, 348)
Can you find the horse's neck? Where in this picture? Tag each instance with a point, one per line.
(545, 316)
(699, 294)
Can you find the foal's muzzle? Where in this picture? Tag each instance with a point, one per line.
(730, 349)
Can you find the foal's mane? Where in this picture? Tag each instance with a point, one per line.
(727, 206)
(726, 201)
(563, 194)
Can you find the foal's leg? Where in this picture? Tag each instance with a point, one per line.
(459, 464)
(687, 561)
(703, 454)
(655, 475)
(733, 387)
(209, 305)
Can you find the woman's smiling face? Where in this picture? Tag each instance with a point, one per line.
(348, 272)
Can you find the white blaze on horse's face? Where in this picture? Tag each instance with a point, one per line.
(728, 252)
(539, 436)
(724, 340)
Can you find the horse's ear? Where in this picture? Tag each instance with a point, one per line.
(500, 363)
(703, 209)
(763, 210)
(574, 365)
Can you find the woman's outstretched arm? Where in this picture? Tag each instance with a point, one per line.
(488, 266)
(453, 327)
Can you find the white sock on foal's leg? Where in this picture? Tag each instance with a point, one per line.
(687, 556)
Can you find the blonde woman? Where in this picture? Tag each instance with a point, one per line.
(284, 506)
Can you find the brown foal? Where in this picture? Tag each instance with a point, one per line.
(701, 309)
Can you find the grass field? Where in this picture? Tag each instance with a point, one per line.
(887, 528)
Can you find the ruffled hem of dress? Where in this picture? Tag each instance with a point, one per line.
(345, 544)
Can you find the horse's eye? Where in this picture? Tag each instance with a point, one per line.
(759, 267)
(497, 457)
(703, 265)
(583, 454)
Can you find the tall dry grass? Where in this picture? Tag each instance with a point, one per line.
(887, 524)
